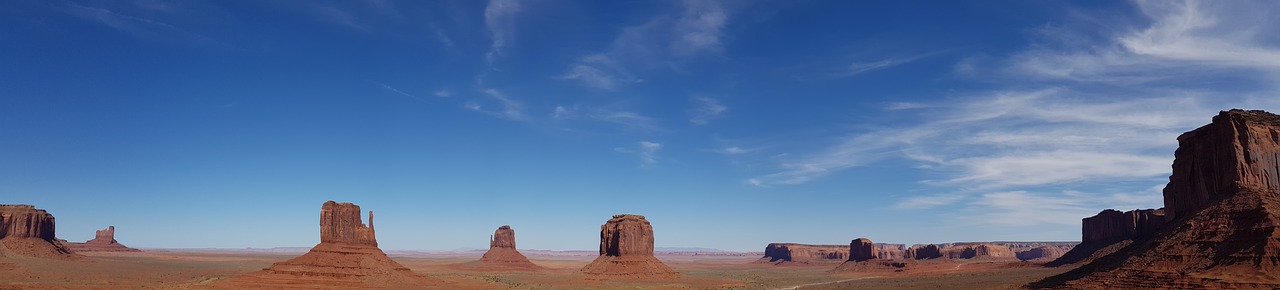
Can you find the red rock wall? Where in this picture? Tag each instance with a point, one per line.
(921, 252)
(25, 221)
(1041, 253)
(504, 237)
(1111, 225)
(1238, 150)
(626, 235)
(105, 236)
(775, 252)
(340, 223)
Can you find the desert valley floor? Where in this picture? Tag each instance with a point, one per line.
(167, 269)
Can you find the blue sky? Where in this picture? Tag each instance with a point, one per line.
(730, 124)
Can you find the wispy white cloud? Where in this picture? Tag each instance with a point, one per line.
(699, 27)
(499, 17)
(706, 109)
(144, 28)
(507, 107)
(659, 43)
(646, 150)
(443, 93)
(734, 150)
(397, 91)
(625, 119)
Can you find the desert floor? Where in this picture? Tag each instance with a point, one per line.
(195, 270)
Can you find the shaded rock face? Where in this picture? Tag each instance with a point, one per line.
(1222, 207)
(890, 251)
(340, 223)
(28, 231)
(25, 221)
(802, 253)
(1041, 253)
(626, 251)
(347, 257)
(502, 254)
(862, 249)
(1110, 227)
(923, 252)
(103, 241)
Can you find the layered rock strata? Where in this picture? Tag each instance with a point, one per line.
(502, 254)
(626, 251)
(782, 253)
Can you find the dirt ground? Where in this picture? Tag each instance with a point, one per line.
(197, 270)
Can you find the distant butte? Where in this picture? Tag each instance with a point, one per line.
(626, 251)
(502, 254)
(103, 241)
(347, 257)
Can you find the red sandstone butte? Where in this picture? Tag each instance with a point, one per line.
(923, 252)
(863, 257)
(28, 231)
(1222, 211)
(977, 251)
(347, 257)
(862, 249)
(103, 241)
(626, 251)
(1041, 253)
(502, 254)
(787, 253)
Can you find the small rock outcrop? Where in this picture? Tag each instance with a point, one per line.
(862, 249)
(502, 254)
(923, 252)
(28, 231)
(1222, 212)
(785, 253)
(103, 241)
(626, 251)
(347, 257)
(1041, 253)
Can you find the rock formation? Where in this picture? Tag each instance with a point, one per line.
(977, 251)
(103, 241)
(923, 252)
(1041, 253)
(1110, 230)
(783, 253)
(347, 257)
(502, 254)
(1222, 207)
(862, 249)
(28, 231)
(626, 251)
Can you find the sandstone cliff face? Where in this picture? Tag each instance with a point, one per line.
(1222, 205)
(347, 257)
(28, 231)
(977, 251)
(1100, 232)
(923, 252)
(504, 237)
(103, 241)
(626, 251)
(340, 223)
(862, 249)
(801, 253)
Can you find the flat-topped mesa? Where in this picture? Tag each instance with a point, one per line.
(626, 251)
(28, 231)
(1112, 225)
(978, 251)
(25, 221)
(1041, 253)
(1239, 150)
(504, 237)
(862, 249)
(340, 223)
(780, 253)
(104, 236)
